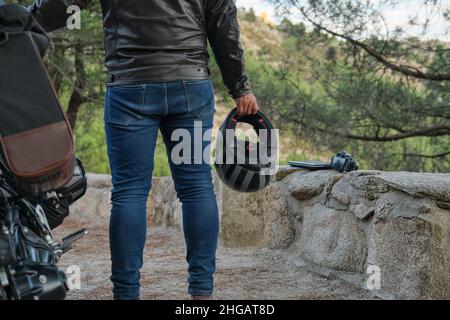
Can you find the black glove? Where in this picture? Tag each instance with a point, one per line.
(344, 162)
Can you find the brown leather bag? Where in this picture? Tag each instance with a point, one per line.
(36, 141)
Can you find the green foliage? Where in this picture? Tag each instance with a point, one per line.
(161, 160)
(335, 94)
(90, 142)
(250, 16)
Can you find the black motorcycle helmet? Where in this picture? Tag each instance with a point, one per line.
(243, 165)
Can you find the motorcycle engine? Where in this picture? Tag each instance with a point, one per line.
(28, 255)
(6, 247)
(33, 275)
(37, 281)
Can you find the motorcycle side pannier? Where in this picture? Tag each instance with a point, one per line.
(36, 141)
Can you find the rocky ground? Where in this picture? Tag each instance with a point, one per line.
(242, 273)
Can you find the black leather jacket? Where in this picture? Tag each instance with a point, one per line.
(162, 40)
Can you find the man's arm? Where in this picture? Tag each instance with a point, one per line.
(52, 14)
(224, 37)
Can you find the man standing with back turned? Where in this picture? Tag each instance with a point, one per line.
(158, 79)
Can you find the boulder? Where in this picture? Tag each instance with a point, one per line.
(242, 222)
(413, 257)
(166, 208)
(99, 181)
(333, 239)
(306, 185)
(279, 214)
(435, 185)
(94, 206)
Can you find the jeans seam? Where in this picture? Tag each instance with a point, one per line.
(186, 96)
(166, 103)
(197, 292)
(107, 107)
(142, 99)
(195, 82)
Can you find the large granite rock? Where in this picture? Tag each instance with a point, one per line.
(307, 185)
(166, 208)
(96, 203)
(333, 239)
(279, 216)
(242, 219)
(409, 240)
(411, 254)
(345, 223)
(434, 185)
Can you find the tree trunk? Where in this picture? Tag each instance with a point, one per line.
(77, 98)
(55, 74)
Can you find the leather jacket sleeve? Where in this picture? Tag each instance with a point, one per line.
(223, 34)
(52, 14)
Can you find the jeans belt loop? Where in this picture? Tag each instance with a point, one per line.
(111, 78)
(4, 37)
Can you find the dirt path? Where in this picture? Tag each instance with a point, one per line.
(241, 273)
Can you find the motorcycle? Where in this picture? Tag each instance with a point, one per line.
(28, 251)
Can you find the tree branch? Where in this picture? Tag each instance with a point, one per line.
(404, 69)
(434, 156)
(437, 131)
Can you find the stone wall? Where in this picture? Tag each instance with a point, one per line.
(336, 224)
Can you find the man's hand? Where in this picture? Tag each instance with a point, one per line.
(247, 105)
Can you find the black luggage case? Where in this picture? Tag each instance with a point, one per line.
(35, 137)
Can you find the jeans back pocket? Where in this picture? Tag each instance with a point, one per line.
(200, 98)
(124, 105)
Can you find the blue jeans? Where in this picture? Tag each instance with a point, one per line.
(133, 116)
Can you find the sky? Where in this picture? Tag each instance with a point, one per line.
(397, 16)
